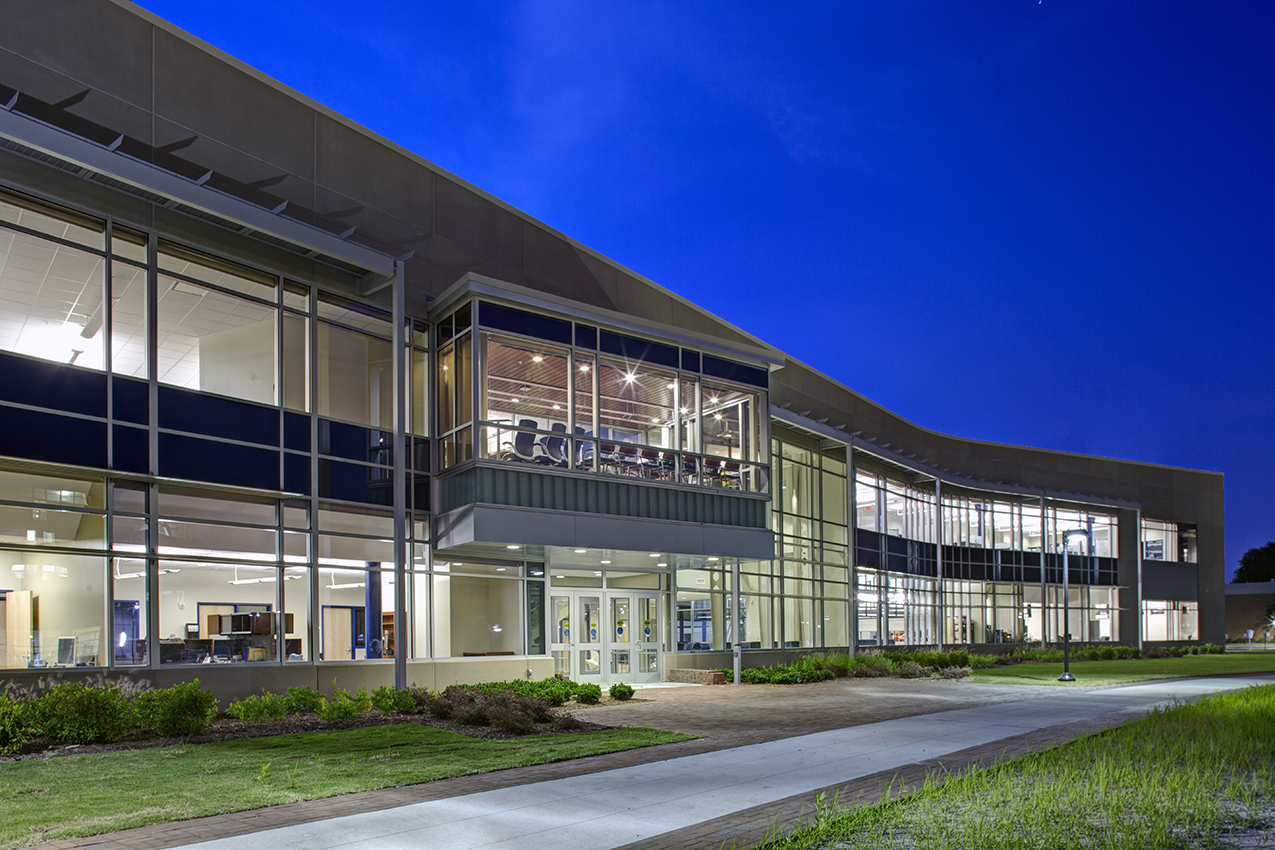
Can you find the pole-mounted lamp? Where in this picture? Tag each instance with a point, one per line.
(1066, 676)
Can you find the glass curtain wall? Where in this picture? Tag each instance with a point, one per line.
(239, 578)
(811, 575)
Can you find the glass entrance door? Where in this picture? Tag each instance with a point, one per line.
(605, 636)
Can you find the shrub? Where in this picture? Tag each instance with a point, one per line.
(954, 672)
(184, 709)
(567, 723)
(15, 725)
(588, 693)
(554, 690)
(1108, 653)
(389, 700)
(839, 670)
(620, 691)
(259, 709)
(77, 714)
(506, 716)
(977, 660)
(539, 710)
(304, 700)
(473, 708)
(870, 667)
(913, 670)
(787, 676)
(428, 702)
(344, 706)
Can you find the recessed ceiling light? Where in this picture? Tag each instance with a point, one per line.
(597, 572)
(661, 564)
(584, 367)
(500, 569)
(606, 562)
(512, 546)
(559, 576)
(581, 551)
(513, 401)
(712, 559)
(654, 555)
(537, 359)
(630, 378)
(713, 399)
(672, 386)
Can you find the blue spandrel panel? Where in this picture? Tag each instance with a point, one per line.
(131, 450)
(193, 459)
(198, 413)
(60, 387)
(33, 435)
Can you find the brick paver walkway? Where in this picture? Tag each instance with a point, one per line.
(723, 716)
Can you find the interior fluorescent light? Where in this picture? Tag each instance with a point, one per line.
(349, 586)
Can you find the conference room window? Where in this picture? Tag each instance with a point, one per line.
(524, 402)
(555, 406)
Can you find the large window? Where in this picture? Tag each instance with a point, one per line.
(1170, 620)
(1159, 540)
(52, 583)
(571, 408)
(218, 326)
(52, 283)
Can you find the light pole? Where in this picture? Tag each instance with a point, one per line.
(1066, 676)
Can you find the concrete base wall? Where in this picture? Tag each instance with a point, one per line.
(234, 681)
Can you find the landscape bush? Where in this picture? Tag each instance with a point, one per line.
(512, 713)
(343, 706)
(259, 709)
(183, 710)
(554, 690)
(620, 691)
(914, 670)
(389, 700)
(954, 673)
(588, 693)
(302, 700)
(870, 667)
(16, 726)
(938, 660)
(74, 713)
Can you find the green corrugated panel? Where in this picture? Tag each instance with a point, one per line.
(525, 488)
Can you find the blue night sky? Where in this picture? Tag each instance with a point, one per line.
(1041, 223)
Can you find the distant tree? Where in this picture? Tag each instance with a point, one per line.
(1257, 564)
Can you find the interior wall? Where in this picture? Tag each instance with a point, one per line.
(68, 599)
(240, 362)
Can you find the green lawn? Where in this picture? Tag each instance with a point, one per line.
(1189, 776)
(1131, 670)
(43, 800)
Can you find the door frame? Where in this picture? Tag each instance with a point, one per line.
(567, 647)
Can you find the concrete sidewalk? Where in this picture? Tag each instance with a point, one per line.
(618, 807)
